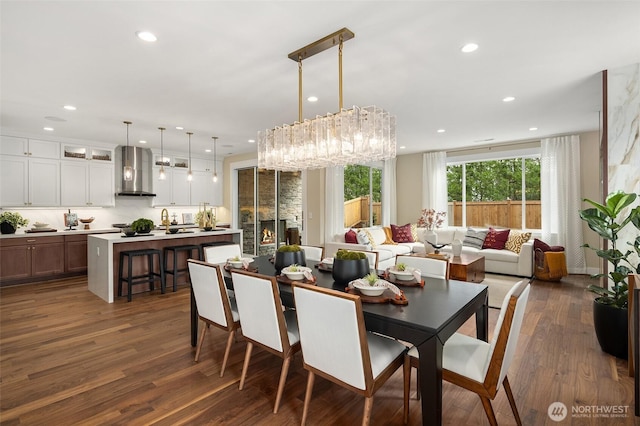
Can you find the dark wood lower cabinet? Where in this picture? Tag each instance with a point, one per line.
(75, 253)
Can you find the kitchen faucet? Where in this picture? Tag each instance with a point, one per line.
(164, 219)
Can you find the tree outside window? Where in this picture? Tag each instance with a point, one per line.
(362, 195)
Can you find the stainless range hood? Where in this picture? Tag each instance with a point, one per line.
(141, 160)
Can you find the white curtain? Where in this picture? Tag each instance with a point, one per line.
(434, 176)
(334, 202)
(561, 201)
(389, 203)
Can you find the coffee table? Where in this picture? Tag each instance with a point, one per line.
(467, 267)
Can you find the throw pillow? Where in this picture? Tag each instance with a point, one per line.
(367, 237)
(388, 236)
(495, 239)
(544, 247)
(414, 232)
(402, 234)
(516, 240)
(350, 237)
(474, 238)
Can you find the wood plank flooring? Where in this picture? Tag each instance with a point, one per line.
(69, 358)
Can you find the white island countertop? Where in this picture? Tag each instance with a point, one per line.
(103, 253)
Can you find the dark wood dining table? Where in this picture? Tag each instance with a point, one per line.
(433, 314)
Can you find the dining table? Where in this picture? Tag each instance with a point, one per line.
(433, 313)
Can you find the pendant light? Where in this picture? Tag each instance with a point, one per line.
(215, 159)
(162, 175)
(189, 175)
(127, 171)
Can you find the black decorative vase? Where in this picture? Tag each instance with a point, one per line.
(612, 328)
(7, 228)
(345, 270)
(286, 258)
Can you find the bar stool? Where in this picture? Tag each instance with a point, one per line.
(149, 277)
(174, 270)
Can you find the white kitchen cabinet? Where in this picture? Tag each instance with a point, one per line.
(87, 183)
(26, 181)
(174, 190)
(204, 189)
(23, 147)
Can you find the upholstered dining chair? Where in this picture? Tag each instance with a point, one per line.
(313, 253)
(265, 323)
(220, 253)
(429, 267)
(336, 346)
(215, 307)
(481, 366)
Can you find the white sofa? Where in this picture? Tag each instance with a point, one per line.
(496, 261)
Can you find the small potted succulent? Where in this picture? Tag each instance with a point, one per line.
(10, 222)
(289, 255)
(142, 225)
(349, 266)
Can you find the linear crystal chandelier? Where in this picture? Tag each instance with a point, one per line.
(350, 136)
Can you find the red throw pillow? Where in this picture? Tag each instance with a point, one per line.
(544, 247)
(402, 234)
(350, 237)
(496, 239)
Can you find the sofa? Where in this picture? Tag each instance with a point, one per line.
(498, 261)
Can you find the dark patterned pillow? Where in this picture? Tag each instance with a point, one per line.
(350, 237)
(496, 239)
(474, 238)
(402, 234)
(544, 247)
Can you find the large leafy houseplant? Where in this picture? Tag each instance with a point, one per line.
(603, 219)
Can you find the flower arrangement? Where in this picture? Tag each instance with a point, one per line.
(431, 219)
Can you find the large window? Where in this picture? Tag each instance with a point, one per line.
(362, 195)
(500, 193)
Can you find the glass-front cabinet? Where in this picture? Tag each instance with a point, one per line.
(79, 152)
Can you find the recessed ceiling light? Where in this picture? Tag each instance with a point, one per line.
(207, 150)
(312, 99)
(402, 147)
(532, 129)
(469, 47)
(252, 141)
(179, 128)
(142, 141)
(146, 36)
(48, 129)
(69, 107)
(508, 99)
(441, 130)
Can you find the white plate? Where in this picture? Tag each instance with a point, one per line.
(405, 275)
(295, 275)
(40, 225)
(369, 290)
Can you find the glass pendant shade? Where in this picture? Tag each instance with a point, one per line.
(161, 174)
(127, 170)
(215, 159)
(189, 175)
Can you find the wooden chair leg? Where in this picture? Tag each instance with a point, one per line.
(201, 341)
(368, 405)
(406, 370)
(512, 401)
(283, 380)
(488, 409)
(245, 366)
(232, 334)
(307, 397)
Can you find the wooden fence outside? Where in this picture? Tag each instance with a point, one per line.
(504, 214)
(356, 212)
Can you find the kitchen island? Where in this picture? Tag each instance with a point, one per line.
(103, 253)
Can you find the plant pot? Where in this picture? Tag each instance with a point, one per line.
(143, 230)
(7, 228)
(346, 270)
(286, 258)
(456, 248)
(612, 327)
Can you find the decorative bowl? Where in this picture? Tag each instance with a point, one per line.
(238, 263)
(369, 290)
(173, 230)
(208, 228)
(405, 275)
(129, 232)
(88, 220)
(298, 274)
(40, 225)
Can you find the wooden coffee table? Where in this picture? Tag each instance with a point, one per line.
(467, 267)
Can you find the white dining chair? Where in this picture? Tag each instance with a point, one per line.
(429, 267)
(220, 253)
(481, 366)
(215, 307)
(337, 347)
(313, 253)
(265, 323)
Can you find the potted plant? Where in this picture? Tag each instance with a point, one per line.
(142, 225)
(289, 255)
(349, 266)
(610, 307)
(10, 221)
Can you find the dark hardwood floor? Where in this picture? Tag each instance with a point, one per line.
(68, 358)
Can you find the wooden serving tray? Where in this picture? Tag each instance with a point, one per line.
(230, 268)
(387, 297)
(403, 283)
(285, 280)
(33, 231)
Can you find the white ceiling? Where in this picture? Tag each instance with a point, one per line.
(220, 68)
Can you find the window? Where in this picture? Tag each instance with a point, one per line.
(362, 195)
(501, 193)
